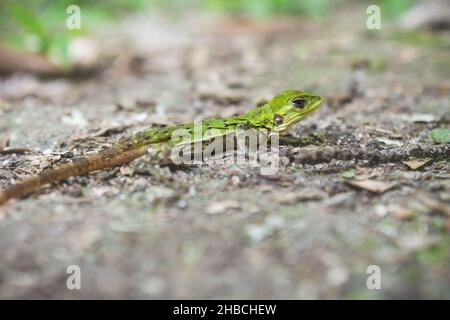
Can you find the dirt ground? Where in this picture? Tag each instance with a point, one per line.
(210, 231)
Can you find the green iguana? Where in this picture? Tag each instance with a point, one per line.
(277, 115)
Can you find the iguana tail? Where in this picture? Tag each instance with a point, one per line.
(120, 153)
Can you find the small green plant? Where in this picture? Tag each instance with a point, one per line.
(440, 135)
(348, 174)
(32, 25)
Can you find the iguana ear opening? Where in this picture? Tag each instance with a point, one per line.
(278, 119)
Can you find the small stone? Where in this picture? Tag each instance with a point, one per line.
(250, 208)
(157, 194)
(44, 164)
(284, 161)
(73, 192)
(182, 204)
(372, 185)
(274, 222)
(289, 198)
(292, 198)
(381, 210)
(256, 232)
(192, 190)
(126, 171)
(75, 118)
(152, 286)
(221, 206)
(265, 187)
(5, 174)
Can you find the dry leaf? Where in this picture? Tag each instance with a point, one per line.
(372, 185)
(416, 163)
(402, 213)
(390, 142)
(435, 204)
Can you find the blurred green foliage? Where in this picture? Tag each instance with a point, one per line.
(31, 24)
(421, 38)
(40, 25)
(258, 8)
(394, 8)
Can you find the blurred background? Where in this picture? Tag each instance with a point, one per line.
(40, 26)
(150, 231)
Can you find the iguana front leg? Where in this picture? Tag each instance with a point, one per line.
(160, 153)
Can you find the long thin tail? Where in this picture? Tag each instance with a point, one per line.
(120, 153)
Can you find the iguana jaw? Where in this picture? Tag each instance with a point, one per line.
(292, 115)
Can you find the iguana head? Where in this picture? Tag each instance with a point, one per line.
(286, 109)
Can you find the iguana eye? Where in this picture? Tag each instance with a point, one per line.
(278, 119)
(299, 102)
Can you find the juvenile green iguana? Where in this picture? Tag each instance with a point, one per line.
(278, 115)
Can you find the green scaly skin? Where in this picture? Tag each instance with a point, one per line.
(277, 116)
